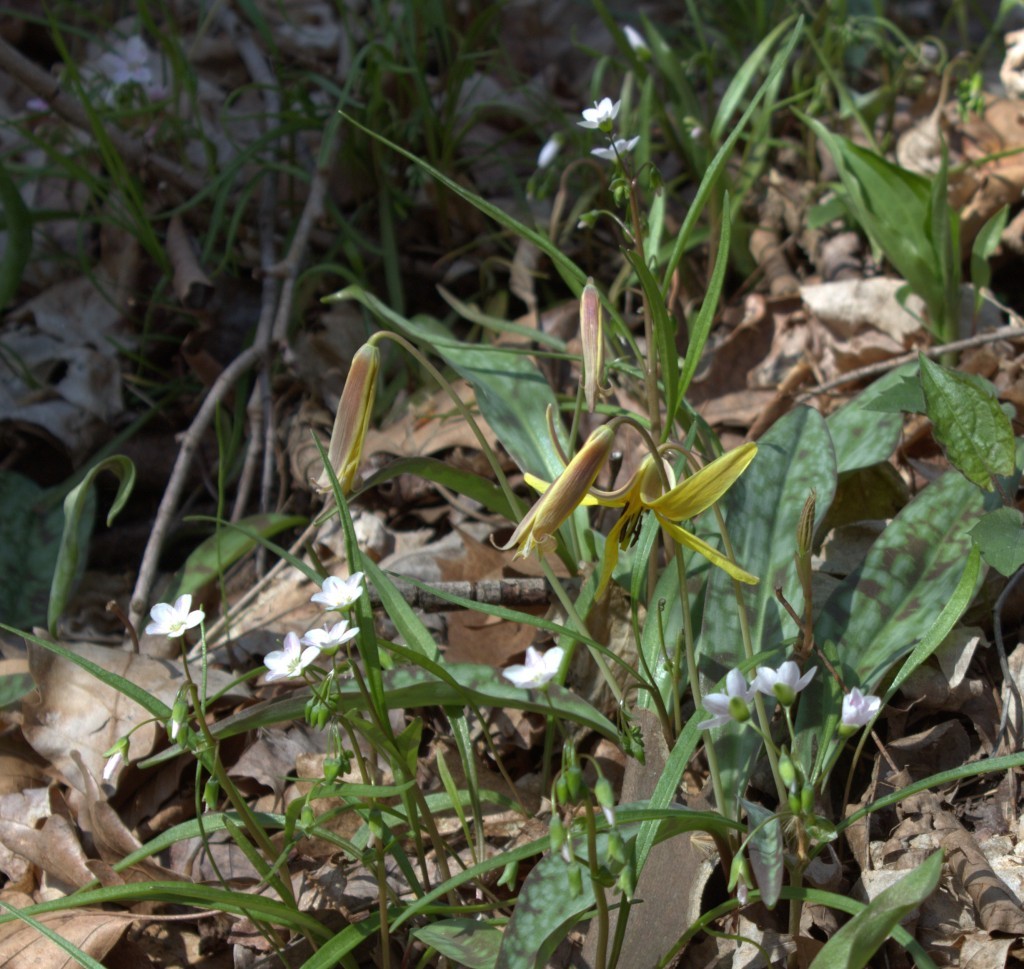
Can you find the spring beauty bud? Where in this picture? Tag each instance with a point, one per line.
(352, 419)
(563, 496)
(592, 339)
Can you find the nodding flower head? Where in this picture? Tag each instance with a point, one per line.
(563, 496)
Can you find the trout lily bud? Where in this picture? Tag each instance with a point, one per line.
(352, 419)
(592, 338)
(564, 495)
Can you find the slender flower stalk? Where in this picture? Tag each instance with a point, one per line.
(352, 419)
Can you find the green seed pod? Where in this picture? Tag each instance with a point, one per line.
(556, 834)
(575, 881)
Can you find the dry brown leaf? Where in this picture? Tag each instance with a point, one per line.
(71, 710)
(95, 933)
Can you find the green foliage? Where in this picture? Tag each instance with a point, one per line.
(77, 508)
(856, 942)
(229, 543)
(30, 542)
(969, 424)
(908, 218)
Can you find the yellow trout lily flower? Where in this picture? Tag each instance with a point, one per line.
(560, 499)
(645, 492)
(352, 420)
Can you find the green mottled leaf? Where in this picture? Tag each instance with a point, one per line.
(969, 424)
(765, 851)
(465, 941)
(762, 511)
(861, 436)
(856, 942)
(906, 395)
(879, 612)
(1000, 536)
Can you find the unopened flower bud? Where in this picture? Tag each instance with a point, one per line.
(605, 797)
(787, 771)
(616, 848)
(352, 419)
(575, 881)
(592, 339)
(179, 715)
(626, 882)
(509, 875)
(556, 834)
(211, 794)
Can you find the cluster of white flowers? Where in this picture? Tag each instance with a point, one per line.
(129, 62)
(601, 117)
(783, 684)
(335, 595)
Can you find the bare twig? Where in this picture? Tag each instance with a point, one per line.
(1012, 331)
(190, 441)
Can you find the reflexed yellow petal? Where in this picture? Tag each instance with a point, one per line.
(715, 557)
(691, 496)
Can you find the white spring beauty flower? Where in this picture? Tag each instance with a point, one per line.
(620, 147)
(731, 705)
(327, 640)
(291, 661)
(858, 710)
(601, 115)
(174, 620)
(784, 683)
(539, 669)
(337, 594)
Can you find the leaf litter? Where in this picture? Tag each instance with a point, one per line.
(88, 341)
